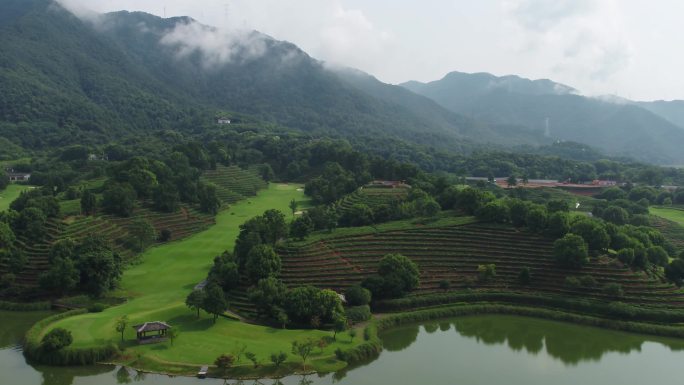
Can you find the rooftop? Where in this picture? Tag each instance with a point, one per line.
(151, 326)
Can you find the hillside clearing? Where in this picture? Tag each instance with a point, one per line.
(9, 194)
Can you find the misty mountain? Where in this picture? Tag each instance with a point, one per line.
(673, 111)
(68, 80)
(623, 129)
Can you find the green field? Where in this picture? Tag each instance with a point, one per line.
(158, 286)
(673, 214)
(10, 194)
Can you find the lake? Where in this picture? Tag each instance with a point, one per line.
(466, 351)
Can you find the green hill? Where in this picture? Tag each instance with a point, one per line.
(88, 82)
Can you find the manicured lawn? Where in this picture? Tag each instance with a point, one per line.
(673, 214)
(158, 286)
(10, 194)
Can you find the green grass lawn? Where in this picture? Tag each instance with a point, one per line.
(673, 214)
(10, 194)
(157, 288)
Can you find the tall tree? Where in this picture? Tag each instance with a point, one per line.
(121, 325)
(262, 262)
(195, 300)
(143, 233)
(214, 301)
(293, 206)
(88, 203)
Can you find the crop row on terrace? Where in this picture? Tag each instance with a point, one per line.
(454, 253)
(233, 183)
(373, 197)
(37, 254)
(672, 231)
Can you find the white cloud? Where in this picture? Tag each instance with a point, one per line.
(578, 38)
(215, 46)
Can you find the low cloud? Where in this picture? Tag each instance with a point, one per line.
(79, 8)
(215, 46)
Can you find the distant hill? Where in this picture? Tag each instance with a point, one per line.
(673, 111)
(624, 129)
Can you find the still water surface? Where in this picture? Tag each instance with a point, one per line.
(468, 350)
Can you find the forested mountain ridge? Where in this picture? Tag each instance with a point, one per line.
(559, 113)
(69, 80)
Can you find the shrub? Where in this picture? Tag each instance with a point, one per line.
(588, 281)
(613, 290)
(626, 256)
(675, 271)
(278, 358)
(444, 284)
(56, 339)
(358, 313)
(525, 276)
(224, 361)
(165, 235)
(486, 272)
(97, 307)
(657, 256)
(572, 282)
(26, 306)
(357, 296)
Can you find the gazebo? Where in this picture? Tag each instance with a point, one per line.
(151, 332)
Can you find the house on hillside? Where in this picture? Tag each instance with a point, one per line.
(18, 176)
(223, 120)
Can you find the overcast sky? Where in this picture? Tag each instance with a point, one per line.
(632, 48)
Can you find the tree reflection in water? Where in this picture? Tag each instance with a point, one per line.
(568, 343)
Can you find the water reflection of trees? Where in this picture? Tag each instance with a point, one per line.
(400, 339)
(569, 343)
(66, 375)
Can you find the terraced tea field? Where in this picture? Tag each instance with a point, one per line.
(373, 197)
(453, 253)
(233, 183)
(37, 254)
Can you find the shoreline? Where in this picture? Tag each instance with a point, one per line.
(372, 344)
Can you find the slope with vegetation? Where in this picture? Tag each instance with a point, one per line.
(454, 254)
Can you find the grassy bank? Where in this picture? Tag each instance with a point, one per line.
(9, 194)
(157, 288)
